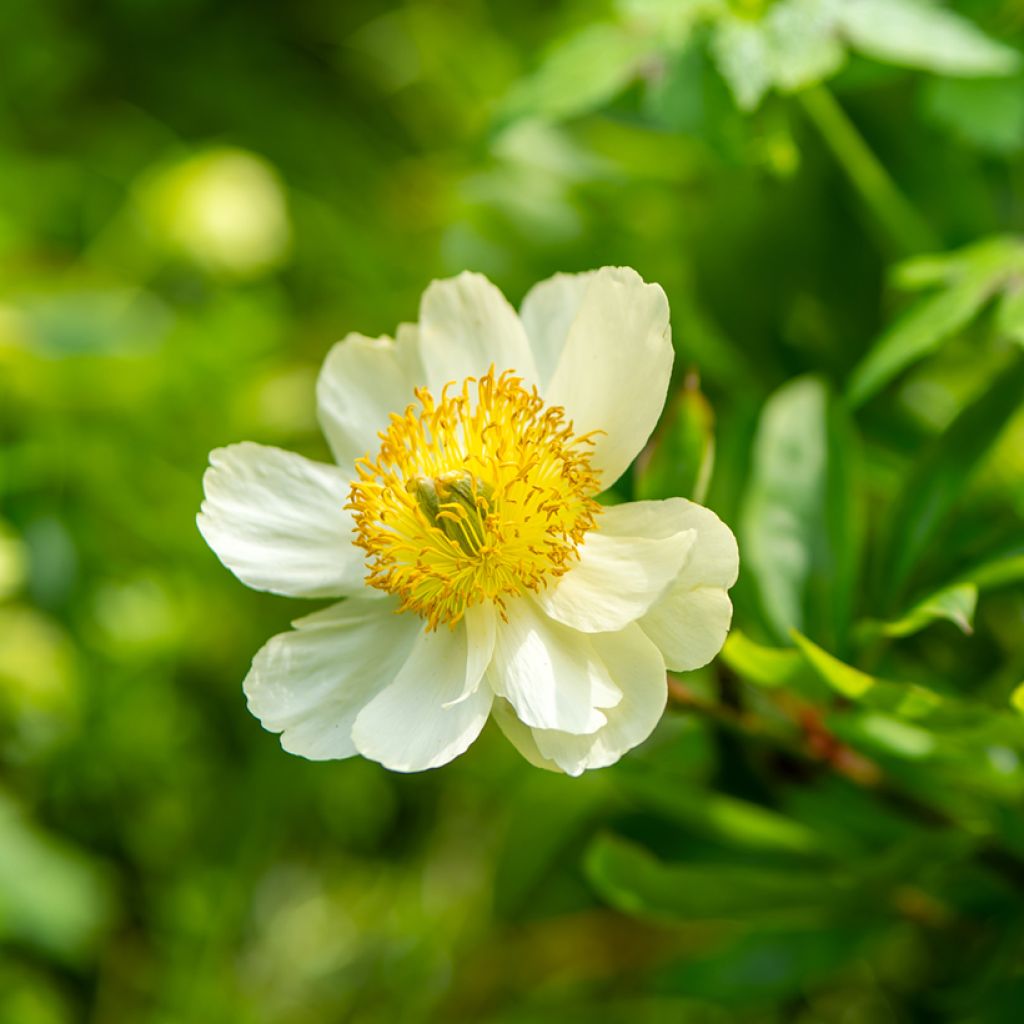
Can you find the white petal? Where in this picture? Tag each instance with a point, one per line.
(689, 623)
(639, 670)
(549, 673)
(621, 572)
(519, 735)
(310, 684)
(466, 327)
(547, 312)
(615, 366)
(714, 560)
(418, 722)
(689, 626)
(481, 623)
(364, 380)
(278, 522)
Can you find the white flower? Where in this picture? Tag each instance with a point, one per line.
(480, 577)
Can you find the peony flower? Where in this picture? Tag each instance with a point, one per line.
(480, 576)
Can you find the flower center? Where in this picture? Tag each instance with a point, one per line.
(479, 497)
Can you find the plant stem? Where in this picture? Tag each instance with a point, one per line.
(905, 226)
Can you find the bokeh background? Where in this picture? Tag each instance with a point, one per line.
(198, 197)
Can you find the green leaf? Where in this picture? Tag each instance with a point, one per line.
(804, 46)
(919, 35)
(1010, 312)
(769, 964)
(799, 526)
(919, 332)
(672, 21)
(908, 700)
(794, 45)
(736, 822)
(955, 603)
(579, 74)
(997, 572)
(987, 113)
(939, 477)
(635, 882)
(771, 667)
(680, 457)
(51, 896)
(839, 550)
(742, 54)
(1017, 698)
(890, 735)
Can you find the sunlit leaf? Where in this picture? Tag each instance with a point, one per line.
(997, 572)
(799, 530)
(742, 51)
(672, 21)
(893, 736)
(918, 34)
(908, 700)
(805, 45)
(579, 73)
(1010, 312)
(1017, 698)
(766, 666)
(954, 604)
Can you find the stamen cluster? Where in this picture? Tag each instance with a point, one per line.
(479, 497)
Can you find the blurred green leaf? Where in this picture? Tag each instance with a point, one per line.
(1017, 698)
(907, 700)
(679, 459)
(806, 47)
(94, 321)
(766, 965)
(784, 499)
(742, 52)
(918, 34)
(937, 479)
(839, 548)
(52, 897)
(579, 73)
(890, 735)
(997, 572)
(987, 113)
(955, 603)
(794, 45)
(736, 822)
(672, 21)
(1010, 311)
(767, 666)
(635, 882)
(800, 528)
(971, 277)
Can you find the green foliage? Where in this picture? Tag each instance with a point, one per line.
(826, 826)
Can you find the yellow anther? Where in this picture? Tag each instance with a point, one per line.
(480, 496)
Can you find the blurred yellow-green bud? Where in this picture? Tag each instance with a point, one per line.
(224, 209)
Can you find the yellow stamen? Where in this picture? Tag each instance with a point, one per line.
(480, 497)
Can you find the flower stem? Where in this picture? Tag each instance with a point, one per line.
(905, 226)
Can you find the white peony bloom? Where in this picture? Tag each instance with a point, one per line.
(479, 574)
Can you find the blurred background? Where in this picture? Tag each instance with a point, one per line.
(198, 197)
